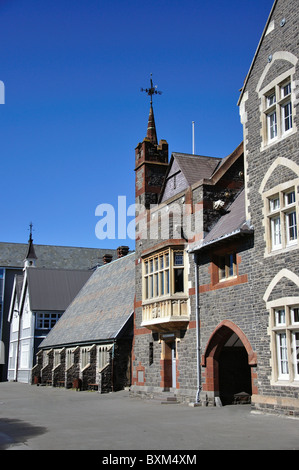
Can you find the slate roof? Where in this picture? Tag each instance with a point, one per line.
(190, 169)
(233, 222)
(101, 309)
(196, 167)
(51, 256)
(54, 289)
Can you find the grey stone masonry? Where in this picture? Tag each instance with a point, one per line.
(272, 170)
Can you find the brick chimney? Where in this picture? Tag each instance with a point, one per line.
(107, 258)
(122, 251)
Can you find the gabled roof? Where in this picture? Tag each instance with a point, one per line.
(54, 289)
(193, 168)
(196, 168)
(101, 309)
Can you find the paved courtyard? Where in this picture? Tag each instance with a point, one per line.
(46, 418)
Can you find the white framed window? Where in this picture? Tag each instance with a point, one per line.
(69, 358)
(280, 316)
(47, 320)
(104, 355)
(85, 357)
(278, 111)
(24, 363)
(282, 356)
(57, 356)
(285, 337)
(282, 216)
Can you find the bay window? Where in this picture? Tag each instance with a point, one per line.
(163, 274)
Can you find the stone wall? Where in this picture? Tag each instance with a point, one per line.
(269, 166)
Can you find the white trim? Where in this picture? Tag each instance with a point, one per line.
(279, 161)
(279, 276)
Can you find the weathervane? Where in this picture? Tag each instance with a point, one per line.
(30, 229)
(152, 90)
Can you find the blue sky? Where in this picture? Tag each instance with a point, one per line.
(74, 113)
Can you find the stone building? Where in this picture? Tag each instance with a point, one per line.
(217, 279)
(90, 346)
(194, 194)
(268, 109)
(12, 257)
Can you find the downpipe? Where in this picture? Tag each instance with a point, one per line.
(198, 349)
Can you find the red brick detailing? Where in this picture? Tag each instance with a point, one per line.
(215, 344)
(221, 285)
(142, 331)
(139, 368)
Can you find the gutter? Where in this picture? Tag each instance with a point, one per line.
(245, 229)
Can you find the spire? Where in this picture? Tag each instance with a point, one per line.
(151, 127)
(30, 255)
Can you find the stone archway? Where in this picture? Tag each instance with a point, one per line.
(217, 352)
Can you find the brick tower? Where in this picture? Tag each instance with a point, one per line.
(151, 163)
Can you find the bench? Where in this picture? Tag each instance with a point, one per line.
(60, 383)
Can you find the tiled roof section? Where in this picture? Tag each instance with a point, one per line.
(51, 256)
(233, 222)
(196, 167)
(101, 309)
(54, 289)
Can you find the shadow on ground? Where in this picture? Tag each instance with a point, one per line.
(15, 431)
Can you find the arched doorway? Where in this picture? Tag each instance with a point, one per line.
(229, 363)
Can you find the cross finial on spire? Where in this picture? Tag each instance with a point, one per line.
(30, 256)
(152, 90)
(30, 230)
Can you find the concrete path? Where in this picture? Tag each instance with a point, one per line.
(46, 418)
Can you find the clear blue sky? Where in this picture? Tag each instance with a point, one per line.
(74, 113)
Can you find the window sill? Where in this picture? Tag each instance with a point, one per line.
(153, 300)
(282, 250)
(276, 140)
(285, 383)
